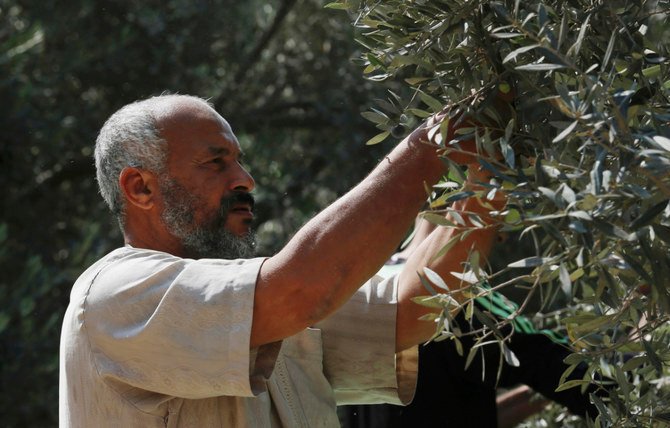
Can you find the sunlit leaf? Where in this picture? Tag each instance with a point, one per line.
(529, 262)
(376, 117)
(539, 67)
(378, 138)
(512, 55)
(510, 356)
(608, 51)
(662, 142)
(435, 278)
(571, 384)
(565, 132)
(577, 46)
(437, 219)
(337, 5)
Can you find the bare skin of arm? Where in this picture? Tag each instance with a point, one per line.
(410, 330)
(327, 260)
(343, 246)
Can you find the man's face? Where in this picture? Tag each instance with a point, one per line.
(205, 190)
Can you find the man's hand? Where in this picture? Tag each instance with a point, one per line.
(441, 129)
(455, 130)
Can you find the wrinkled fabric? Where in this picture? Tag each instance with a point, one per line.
(154, 340)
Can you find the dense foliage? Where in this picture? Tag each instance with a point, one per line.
(279, 71)
(584, 158)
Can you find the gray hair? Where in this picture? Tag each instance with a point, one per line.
(131, 138)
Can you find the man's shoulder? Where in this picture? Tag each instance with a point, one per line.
(128, 252)
(125, 265)
(136, 259)
(132, 266)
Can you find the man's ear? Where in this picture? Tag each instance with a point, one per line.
(139, 187)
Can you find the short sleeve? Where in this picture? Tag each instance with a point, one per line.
(176, 326)
(360, 360)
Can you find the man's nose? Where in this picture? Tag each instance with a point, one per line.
(243, 180)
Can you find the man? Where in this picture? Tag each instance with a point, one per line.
(178, 328)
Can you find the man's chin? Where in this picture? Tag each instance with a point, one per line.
(241, 229)
(224, 244)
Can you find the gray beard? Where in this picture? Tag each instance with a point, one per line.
(208, 240)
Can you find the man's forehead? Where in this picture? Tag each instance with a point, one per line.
(185, 111)
(190, 121)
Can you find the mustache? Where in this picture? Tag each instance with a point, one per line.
(237, 197)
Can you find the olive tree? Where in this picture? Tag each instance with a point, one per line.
(582, 153)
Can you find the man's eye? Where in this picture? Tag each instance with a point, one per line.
(217, 163)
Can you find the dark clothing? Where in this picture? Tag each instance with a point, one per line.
(449, 396)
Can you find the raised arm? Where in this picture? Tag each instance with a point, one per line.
(410, 330)
(343, 246)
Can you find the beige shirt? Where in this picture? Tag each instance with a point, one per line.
(154, 340)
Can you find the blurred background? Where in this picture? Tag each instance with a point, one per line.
(281, 72)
